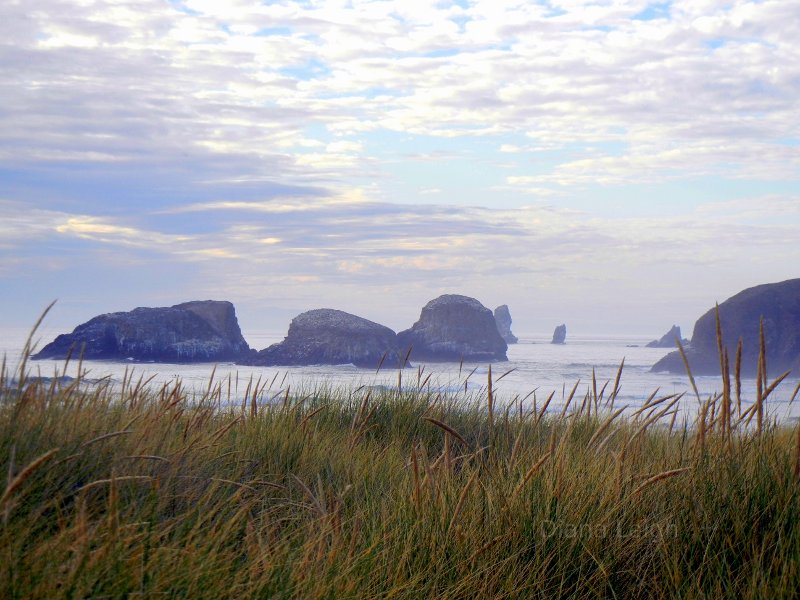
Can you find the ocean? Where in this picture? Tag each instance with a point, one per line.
(535, 369)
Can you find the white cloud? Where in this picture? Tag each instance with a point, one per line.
(245, 78)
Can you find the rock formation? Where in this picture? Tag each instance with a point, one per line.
(201, 331)
(502, 317)
(452, 328)
(668, 339)
(777, 303)
(332, 337)
(560, 335)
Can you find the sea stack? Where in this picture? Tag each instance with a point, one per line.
(332, 337)
(560, 335)
(198, 331)
(502, 317)
(668, 340)
(778, 304)
(453, 328)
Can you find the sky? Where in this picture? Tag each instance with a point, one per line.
(615, 165)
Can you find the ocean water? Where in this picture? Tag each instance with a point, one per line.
(535, 369)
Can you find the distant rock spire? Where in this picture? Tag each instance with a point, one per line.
(668, 339)
(560, 335)
(502, 317)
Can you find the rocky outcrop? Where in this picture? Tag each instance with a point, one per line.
(452, 328)
(560, 335)
(779, 306)
(332, 337)
(668, 339)
(201, 331)
(502, 317)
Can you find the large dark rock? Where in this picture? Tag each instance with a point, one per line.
(668, 339)
(777, 303)
(502, 317)
(201, 331)
(452, 328)
(560, 335)
(332, 337)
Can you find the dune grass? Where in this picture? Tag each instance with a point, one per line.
(136, 491)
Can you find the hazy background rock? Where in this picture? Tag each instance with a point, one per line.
(199, 331)
(332, 337)
(502, 317)
(668, 339)
(560, 335)
(777, 303)
(453, 327)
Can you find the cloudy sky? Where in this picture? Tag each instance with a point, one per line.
(618, 165)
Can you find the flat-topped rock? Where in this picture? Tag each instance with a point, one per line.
(199, 331)
(332, 337)
(777, 303)
(502, 317)
(560, 335)
(451, 328)
(668, 339)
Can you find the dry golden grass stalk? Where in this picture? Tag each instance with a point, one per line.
(615, 391)
(647, 403)
(776, 382)
(448, 429)
(650, 404)
(797, 456)
(223, 430)
(146, 457)
(794, 394)
(487, 546)
(700, 437)
(738, 377)
(236, 483)
(605, 425)
(380, 362)
(661, 476)
(362, 427)
(726, 396)
(17, 481)
(417, 494)
(460, 504)
(760, 378)
(531, 472)
(491, 400)
(506, 373)
(99, 482)
(672, 421)
(105, 437)
(600, 396)
(515, 449)
(357, 417)
(688, 370)
(544, 408)
(309, 415)
(29, 347)
(653, 418)
(569, 399)
(448, 462)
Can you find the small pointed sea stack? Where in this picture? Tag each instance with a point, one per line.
(502, 317)
(560, 335)
(668, 339)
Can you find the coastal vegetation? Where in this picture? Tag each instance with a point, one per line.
(251, 489)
